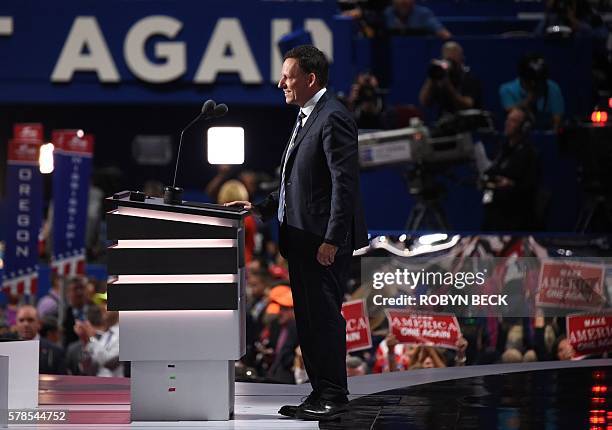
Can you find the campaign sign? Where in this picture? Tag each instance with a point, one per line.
(432, 329)
(73, 156)
(590, 333)
(23, 217)
(571, 285)
(357, 326)
(28, 131)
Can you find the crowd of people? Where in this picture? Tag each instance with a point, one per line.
(79, 336)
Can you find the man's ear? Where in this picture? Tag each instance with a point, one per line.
(312, 79)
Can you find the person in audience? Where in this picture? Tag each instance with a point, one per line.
(355, 366)
(426, 357)
(564, 350)
(365, 102)
(392, 356)
(511, 180)
(403, 17)
(49, 330)
(101, 355)
(283, 335)
(450, 85)
(78, 305)
(234, 190)
(51, 356)
(74, 351)
(572, 14)
(48, 305)
(533, 91)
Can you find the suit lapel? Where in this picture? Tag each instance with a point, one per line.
(311, 119)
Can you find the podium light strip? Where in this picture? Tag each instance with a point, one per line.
(176, 243)
(175, 279)
(171, 216)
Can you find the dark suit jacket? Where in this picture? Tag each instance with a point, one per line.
(322, 192)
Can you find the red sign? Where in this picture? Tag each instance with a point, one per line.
(72, 141)
(432, 329)
(23, 151)
(590, 333)
(571, 285)
(357, 326)
(28, 131)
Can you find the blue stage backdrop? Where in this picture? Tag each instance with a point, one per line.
(153, 50)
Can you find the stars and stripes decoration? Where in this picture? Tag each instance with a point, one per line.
(71, 264)
(23, 282)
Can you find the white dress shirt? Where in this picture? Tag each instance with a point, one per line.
(104, 349)
(310, 104)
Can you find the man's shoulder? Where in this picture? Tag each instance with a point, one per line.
(553, 86)
(513, 85)
(47, 344)
(420, 10)
(334, 107)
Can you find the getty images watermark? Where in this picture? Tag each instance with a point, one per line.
(473, 286)
(422, 278)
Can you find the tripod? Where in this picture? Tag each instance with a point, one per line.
(428, 194)
(596, 202)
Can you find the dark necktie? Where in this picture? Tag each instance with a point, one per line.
(281, 194)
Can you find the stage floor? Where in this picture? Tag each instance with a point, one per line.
(547, 395)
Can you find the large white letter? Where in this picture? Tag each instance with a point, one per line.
(280, 27)
(228, 34)
(321, 36)
(85, 33)
(172, 52)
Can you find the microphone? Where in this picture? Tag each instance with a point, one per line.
(210, 109)
(220, 110)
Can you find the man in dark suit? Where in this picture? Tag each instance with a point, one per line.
(51, 356)
(321, 222)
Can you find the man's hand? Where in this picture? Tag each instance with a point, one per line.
(248, 206)
(391, 341)
(326, 254)
(84, 330)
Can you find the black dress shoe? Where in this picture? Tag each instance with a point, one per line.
(290, 410)
(323, 410)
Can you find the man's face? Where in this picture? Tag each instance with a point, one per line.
(454, 54)
(76, 294)
(514, 120)
(27, 323)
(297, 86)
(565, 351)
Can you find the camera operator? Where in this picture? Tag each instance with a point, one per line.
(402, 17)
(572, 14)
(510, 181)
(365, 101)
(532, 90)
(450, 86)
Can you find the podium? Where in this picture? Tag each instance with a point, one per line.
(180, 292)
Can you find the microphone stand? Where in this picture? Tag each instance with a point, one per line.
(174, 195)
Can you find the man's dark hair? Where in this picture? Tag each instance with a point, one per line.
(310, 60)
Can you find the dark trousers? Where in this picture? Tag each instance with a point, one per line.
(317, 298)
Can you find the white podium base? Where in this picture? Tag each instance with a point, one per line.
(182, 390)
